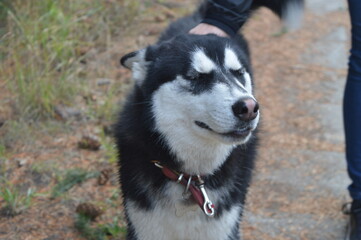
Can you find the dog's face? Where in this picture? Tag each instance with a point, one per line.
(200, 88)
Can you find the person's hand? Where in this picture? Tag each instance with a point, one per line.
(204, 28)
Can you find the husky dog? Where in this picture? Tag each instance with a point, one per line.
(187, 133)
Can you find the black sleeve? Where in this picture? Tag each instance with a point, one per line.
(228, 15)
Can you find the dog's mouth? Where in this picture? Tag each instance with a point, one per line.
(236, 134)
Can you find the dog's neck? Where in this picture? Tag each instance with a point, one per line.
(198, 156)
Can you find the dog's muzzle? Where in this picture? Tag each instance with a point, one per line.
(237, 133)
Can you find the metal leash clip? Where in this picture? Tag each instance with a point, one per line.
(186, 194)
(208, 207)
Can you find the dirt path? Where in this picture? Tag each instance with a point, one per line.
(300, 182)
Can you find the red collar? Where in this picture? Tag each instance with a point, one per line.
(193, 184)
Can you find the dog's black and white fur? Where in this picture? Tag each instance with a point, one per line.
(193, 110)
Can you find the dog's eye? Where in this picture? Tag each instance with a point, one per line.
(239, 72)
(197, 76)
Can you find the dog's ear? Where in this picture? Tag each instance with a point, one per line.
(137, 63)
(128, 59)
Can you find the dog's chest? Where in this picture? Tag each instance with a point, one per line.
(174, 219)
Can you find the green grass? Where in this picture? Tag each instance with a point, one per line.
(113, 200)
(3, 15)
(2, 151)
(108, 108)
(3, 160)
(71, 178)
(41, 47)
(15, 202)
(17, 133)
(43, 167)
(101, 232)
(107, 105)
(113, 228)
(111, 153)
(20, 133)
(280, 33)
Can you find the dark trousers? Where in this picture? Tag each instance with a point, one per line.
(352, 103)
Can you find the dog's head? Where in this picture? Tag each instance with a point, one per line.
(200, 87)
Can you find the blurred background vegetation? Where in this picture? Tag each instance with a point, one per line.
(43, 44)
(60, 89)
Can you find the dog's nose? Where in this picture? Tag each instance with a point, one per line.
(245, 109)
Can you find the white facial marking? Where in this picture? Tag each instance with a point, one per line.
(175, 112)
(139, 67)
(248, 82)
(240, 84)
(201, 62)
(231, 60)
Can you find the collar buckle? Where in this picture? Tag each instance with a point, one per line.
(196, 189)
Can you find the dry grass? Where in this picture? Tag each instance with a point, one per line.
(44, 44)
